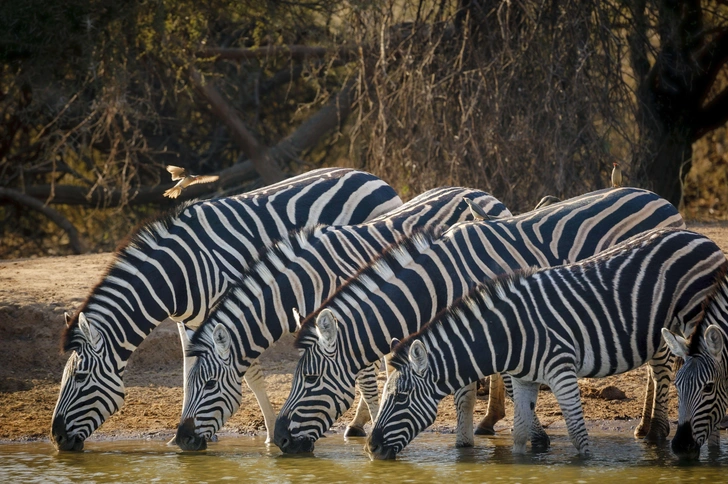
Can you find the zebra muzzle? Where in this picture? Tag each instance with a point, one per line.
(187, 438)
(376, 448)
(60, 438)
(683, 444)
(286, 442)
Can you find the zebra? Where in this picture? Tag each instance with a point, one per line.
(395, 295)
(702, 380)
(299, 272)
(178, 266)
(598, 317)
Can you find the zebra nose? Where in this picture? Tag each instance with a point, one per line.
(282, 435)
(375, 447)
(60, 438)
(186, 437)
(683, 444)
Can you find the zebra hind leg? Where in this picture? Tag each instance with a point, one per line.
(496, 406)
(525, 394)
(255, 381)
(368, 406)
(465, 405)
(563, 383)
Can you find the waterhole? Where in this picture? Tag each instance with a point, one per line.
(431, 457)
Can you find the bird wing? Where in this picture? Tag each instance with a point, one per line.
(177, 172)
(204, 179)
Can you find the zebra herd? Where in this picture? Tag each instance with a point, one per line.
(589, 287)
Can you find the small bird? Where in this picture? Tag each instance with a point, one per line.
(547, 200)
(616, 176)
(185, 180)
(476, 211)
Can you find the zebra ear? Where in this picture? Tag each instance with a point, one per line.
(297, 318)
(714, 340)
(90, 334)
(393, 344)
(221, 338)
(475, 210)
(326, 328)
(67, 318)
(677, 344)
(418, 357)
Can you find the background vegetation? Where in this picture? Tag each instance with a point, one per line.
(521, 98)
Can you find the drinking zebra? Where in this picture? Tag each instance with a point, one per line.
(178, 267)
(299, 272)
(598, 317)
(396, 295)
(702, 380)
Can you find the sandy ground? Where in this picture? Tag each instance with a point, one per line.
(34, 293)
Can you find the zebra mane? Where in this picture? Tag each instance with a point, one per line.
(138, 239)
(400, 252)
(485, 293)
(720, 291)
(259, 273)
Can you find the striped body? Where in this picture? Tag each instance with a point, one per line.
(702, 380)
(299, 272)
(395, 296)
(179, 266)
(594, 318)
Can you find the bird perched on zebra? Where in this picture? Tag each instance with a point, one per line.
(616, 176)
(185, 180)
(298, 272)
(546, 201)
(410, 284)
(179, 266)
(702, 380)
(598, 317)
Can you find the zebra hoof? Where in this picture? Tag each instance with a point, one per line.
(642, 430)
(656, 438)
(483, 430)
(354, 432)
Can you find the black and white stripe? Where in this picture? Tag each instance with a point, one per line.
(394, 296)
(594, 318)
(178, 267)
(298, 272)
(702, 380)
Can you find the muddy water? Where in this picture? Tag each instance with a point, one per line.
(430, 458)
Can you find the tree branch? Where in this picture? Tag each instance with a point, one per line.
(297, 52)
(258, 154)
(77, 245)
(713, 115)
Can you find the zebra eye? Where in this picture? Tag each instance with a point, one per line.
(401, 397)
(709, 387)
(311, 378)
(210, 384)
(80, 376)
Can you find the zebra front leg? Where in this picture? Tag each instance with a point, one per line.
(496, 406)
(660, 370)
(525, 394)
(368, 406)
(255, 381)
(563, 383)
(714, 440)
(644, 426)
(465, 406)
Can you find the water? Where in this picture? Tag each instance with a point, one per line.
(430, 458)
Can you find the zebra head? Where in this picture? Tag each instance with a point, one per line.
(212, 386)
(702, 388)
(92, 388)
(409, 402)
(319, 378)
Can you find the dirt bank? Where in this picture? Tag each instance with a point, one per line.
(34, 293)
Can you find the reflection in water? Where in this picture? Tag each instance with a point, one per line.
(431, 457)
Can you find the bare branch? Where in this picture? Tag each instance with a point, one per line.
(297, 52)
(77, 245)
(713, 115)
